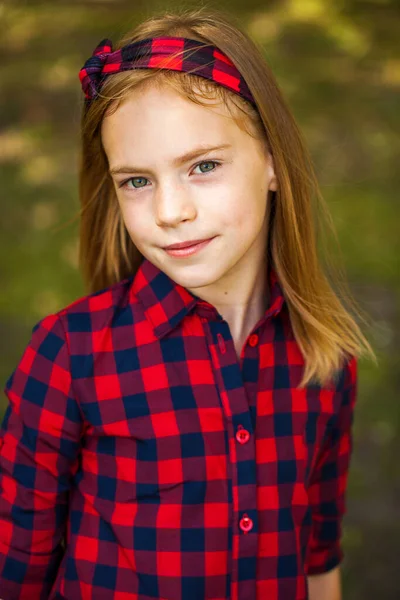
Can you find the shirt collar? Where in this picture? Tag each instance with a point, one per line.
(166, 303)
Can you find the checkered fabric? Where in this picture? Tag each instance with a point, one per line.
(141, 458)
(160, 53)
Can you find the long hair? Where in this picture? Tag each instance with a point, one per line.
(322, 311)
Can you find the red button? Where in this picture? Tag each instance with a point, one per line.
(203, 319)
(246, 523)
(253, 340)
(242, 435)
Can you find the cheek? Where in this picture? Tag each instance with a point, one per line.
(232, 206)
(135, 222)
(243, 213)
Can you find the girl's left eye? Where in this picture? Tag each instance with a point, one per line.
(125, 183)
(207, 162)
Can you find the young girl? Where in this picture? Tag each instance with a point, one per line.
(183, 432)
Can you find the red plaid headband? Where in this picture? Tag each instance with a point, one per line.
(153, 53)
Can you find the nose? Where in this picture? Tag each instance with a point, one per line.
(173, 204)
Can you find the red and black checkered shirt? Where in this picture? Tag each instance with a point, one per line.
(141, 459)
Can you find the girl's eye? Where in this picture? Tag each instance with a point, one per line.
(207, 162)
(127, 182)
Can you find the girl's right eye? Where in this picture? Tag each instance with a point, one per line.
(125, 184)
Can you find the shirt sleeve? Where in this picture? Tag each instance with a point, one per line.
(39, 452)
(327, 489)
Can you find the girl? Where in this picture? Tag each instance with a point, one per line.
(183, 431)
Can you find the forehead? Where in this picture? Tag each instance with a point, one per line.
(160, 109)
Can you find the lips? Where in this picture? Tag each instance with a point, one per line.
(186, 244)
(189, 250)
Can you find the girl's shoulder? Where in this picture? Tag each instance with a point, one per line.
(90, 313)
(106, 299)
(61, 342)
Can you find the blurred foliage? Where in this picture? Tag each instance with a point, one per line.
(338, 64)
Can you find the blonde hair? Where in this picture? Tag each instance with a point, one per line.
(324, 328)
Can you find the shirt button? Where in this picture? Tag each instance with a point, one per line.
(253, 340)
(242, 435)
(203, 319)
(246, 523)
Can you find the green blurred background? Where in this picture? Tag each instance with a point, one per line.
(338, 64)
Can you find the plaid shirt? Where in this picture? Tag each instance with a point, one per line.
(141, 459)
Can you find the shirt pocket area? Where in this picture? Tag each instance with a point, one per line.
(144, 448)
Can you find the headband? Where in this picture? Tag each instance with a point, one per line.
(158, 53)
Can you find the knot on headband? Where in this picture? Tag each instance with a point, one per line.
(159, 53)
(91, 73)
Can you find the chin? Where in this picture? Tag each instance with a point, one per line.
(196, 277)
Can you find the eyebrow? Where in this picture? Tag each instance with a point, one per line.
(179, 160)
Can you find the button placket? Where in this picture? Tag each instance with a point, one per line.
(235, 402)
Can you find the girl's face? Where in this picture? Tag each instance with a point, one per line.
(165, 199)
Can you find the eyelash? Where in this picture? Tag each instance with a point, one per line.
(123, 184)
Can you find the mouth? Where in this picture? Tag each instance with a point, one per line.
(186, 244)
(188, 250)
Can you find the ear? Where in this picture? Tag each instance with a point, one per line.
(272, 179)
